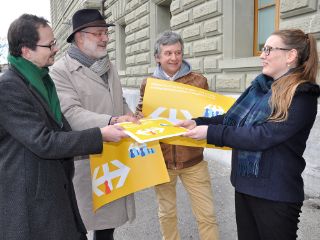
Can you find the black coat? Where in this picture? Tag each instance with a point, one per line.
(37, 200)
(282, 145)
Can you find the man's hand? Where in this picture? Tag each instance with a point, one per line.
(112, 133)
(138, 115)
(124, 118)
(197, 133)
(189, 124)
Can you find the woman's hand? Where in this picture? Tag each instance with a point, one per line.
(198, 133)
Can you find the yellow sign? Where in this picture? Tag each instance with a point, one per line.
(124, 168)
(176, 101)
(152, 129)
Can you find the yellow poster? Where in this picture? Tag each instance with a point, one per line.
(124, 168)
(176, 101)
(152, 129)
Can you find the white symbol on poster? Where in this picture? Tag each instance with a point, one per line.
(107, 177)
(150, 131)
(172, 113)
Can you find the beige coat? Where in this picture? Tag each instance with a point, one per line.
(86, 102)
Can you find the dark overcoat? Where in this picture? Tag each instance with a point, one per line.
(37, 200)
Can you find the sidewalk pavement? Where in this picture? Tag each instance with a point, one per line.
(146, 225)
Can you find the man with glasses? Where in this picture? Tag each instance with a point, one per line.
(91, 96)
(37, 146)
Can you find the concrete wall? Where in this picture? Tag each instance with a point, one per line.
(218, 37)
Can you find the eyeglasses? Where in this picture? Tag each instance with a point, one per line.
(51, 46)
(268, 49)
(98, 34)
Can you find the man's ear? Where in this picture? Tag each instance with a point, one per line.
(25, 52)
(78, 38)
(156, 57)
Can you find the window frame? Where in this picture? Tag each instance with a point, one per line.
(256, 23)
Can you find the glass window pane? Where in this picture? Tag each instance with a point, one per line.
(263, 3)
(266, 20)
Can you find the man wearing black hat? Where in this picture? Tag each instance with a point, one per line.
(90, 94)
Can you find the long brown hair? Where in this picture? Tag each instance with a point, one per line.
(306, 70)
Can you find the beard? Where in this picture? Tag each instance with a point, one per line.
(93, 50)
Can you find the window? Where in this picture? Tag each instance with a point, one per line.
(266, 21)
(163, 15)
(238, 27)
(159, 21)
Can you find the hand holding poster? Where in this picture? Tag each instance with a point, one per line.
(152, 129)
(128, 166)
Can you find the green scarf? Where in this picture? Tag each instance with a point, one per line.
(40, 81)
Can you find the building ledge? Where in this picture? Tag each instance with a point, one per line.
(240, 64)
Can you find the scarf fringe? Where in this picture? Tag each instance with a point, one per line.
(249, 168)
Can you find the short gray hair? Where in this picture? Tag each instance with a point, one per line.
(167, 38)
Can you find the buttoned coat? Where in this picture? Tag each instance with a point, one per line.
(87, 101)
(37, 199)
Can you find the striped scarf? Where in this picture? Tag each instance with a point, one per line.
(251, 108)
(99, 66)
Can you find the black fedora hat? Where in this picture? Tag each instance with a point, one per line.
(84, 18)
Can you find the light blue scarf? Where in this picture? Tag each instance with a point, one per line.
(184, 70)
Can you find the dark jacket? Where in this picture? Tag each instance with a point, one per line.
(178, 157)
(37, 199)
(282, 145)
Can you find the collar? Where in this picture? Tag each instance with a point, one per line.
(171, 78)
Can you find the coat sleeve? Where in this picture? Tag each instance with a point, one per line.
(140, 103)
(27, 125)
(118, 89)
(126, 108)
(210, 121)
(302, 113)
(71, 104)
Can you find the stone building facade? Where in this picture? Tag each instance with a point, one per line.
(218, 37)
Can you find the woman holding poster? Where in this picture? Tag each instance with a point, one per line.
(267, 128)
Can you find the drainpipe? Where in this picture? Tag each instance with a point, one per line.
(102, 7)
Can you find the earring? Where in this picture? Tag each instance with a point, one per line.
(288, 65)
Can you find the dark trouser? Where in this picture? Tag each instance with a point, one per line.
(261, 219)
(105, 234)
